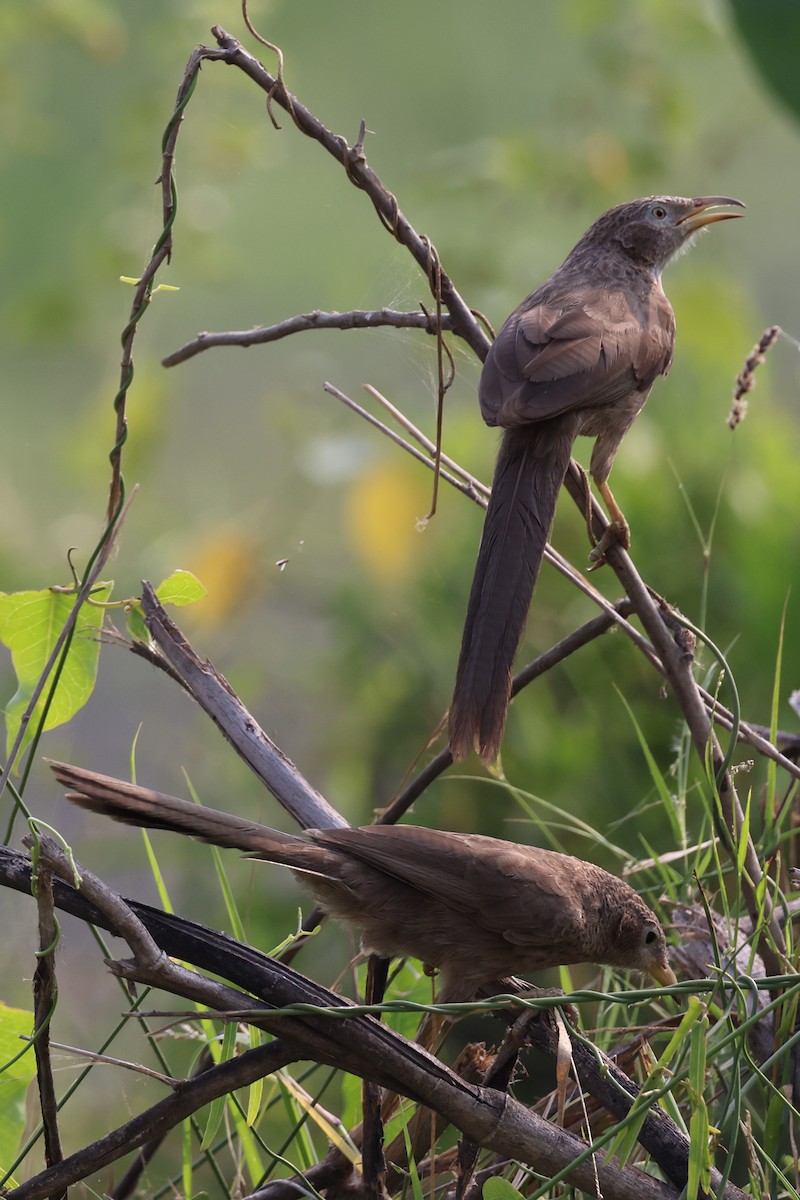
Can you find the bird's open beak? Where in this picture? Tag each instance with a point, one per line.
(701, 214)
(664, 975)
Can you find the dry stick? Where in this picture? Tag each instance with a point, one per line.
(357, 408)
(379, 318)
(218, 700)
(360, 1045)
(468, 485)
(361, 175)
(426, 443)
(108, 1060)
(45, 993)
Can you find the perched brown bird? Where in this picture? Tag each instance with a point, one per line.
(477, 908)
(579, 356)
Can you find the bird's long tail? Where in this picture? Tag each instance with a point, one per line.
(530, 469)
(141, 806)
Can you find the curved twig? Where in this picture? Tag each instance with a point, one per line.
(380, 318)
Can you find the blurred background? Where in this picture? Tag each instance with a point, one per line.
(503, 131)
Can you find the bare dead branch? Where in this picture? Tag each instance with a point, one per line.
(218, 700)
(107, 1060)
(119, 915)
(404, 422)
(158, 1119)
(45, 996)
(362, 412)
(382, 318)
(360, 174)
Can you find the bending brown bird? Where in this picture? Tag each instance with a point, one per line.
(578, 356)
(478, 909)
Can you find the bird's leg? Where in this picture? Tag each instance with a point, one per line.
(616, 533)
(374, 1162)
(587, 501)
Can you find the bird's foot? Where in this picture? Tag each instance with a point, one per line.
(529, 991)
(616, 533)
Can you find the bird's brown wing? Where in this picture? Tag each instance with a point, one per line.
(519, 893)
(592, 350)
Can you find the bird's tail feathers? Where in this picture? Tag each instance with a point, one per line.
(530, 470)
(134, 805)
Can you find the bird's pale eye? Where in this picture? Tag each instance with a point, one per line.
(650, 937)
(659, 212)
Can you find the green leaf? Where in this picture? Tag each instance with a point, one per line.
(699, 1154)
(30, 623)
(14, 1080)
(181, 587)
(135, 622)
(624, 1143)
(255, 1093)
(498, 1188)
(217, 1106)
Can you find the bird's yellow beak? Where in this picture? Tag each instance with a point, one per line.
(701, 214)
(664, 975)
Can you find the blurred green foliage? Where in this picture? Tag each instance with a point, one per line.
(503, 132)
(771, 32)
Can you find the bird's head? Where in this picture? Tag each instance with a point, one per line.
(652, 231)
(641, 944)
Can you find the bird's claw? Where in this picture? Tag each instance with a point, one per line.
(569, 1010)
(617, 533)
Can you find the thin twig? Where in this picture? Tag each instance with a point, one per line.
(45, 993)
(121, 916)
(406, 423)
(357, 408)
(108, 1060)
(360, 174)
(218, 700)
(478, 492)
(381, 318)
